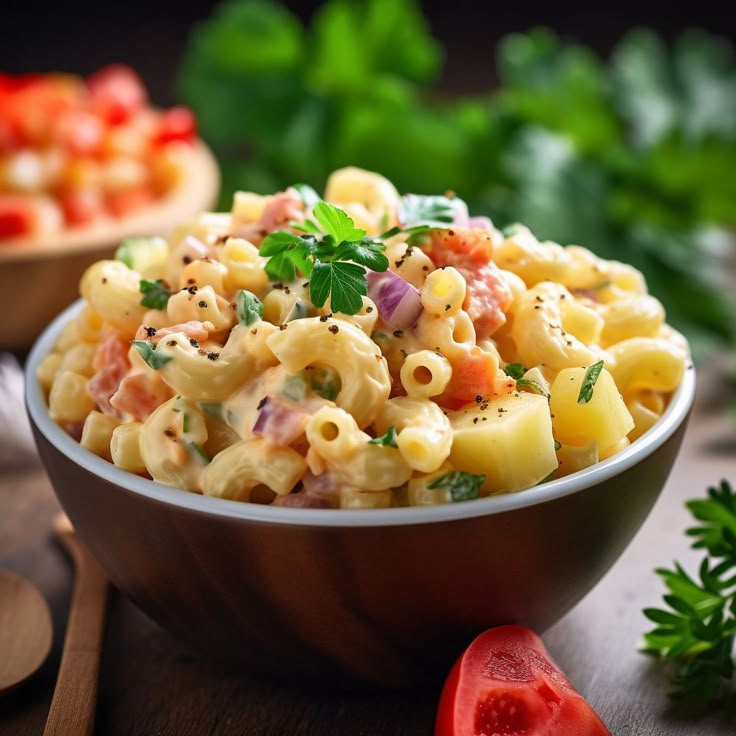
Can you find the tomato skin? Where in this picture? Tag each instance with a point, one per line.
(176, 124)
(506, 682)
(17, 215)
(127, 200)
(473, 375)
(117, 93)
(81, 206)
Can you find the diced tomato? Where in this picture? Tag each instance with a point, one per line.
(80, 132)
(139, 394)
(474, 244)
(487, 299)
(176, 124)
(81, 206)
(469, 250)
(17, 215)
(472, 376)
(506, 683)
(117, 93)
(126, 200)
(111, 364)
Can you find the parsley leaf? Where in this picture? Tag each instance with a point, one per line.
(248, 308)
(337, 223)
(280, 267)
(589, 381)
(278, 242)
(515, 370)
(156, 293)
(369, 253)
(698, 628)
(386, 440)
(149, 354)
(462, 486)
(344, 283)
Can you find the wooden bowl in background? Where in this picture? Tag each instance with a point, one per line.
(38, 279)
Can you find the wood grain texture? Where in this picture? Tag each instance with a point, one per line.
(25, 630)
(152, 684)
(72, 708)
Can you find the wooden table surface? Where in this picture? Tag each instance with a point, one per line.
(151, 684)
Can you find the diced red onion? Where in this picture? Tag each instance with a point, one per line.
(278, 422)
(398, 302)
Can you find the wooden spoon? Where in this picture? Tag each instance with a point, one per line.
(26, 631)
(73, 705)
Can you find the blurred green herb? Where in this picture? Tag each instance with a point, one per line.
(462, 486)
(156, 294)
(632, 157)
(696, 631)
(386, 440)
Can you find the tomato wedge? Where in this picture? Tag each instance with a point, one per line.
(506, 684)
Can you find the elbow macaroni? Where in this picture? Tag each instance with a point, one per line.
(263, 396)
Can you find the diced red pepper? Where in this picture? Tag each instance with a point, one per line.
(17, 215)
(176, 124)
(117, 93)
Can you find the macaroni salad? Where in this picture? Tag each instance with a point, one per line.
(363, 350)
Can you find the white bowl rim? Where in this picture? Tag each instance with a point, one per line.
(672, 418)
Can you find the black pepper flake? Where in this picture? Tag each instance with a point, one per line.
(398, 333)
(485, 419)
(193, 290)
(262, 403)
(104, 280)
(150, 331)
(334, 329)
(191, 281)
(451, 233)
(501, 410)
(323, 318)
(305, 284)
(539, 298)
(194, 343)
(169, 432)
(171, 343)
(186, 260)
(254, 331)
(478, 399)
(368, 310)
(536, 306)
(399, 263)
(448, 307)
(425, 268)
(287, 290)
(278, 285)
(283, 326)
(203, 304)
(475, 420)
(213, 356)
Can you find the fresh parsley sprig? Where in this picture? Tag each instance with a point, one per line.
(149, 354)
(588, 383)
(332, 253)
(698, 628)
(386, 440)
(156, 293)
(462, 486)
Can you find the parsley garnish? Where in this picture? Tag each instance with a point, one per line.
(149, 354)
(462, 486)
(185, 422)
(696, 631)
(515, 370)
(248, 308)
(199, 450)
(532, 384)
(386, 440)
(334, 258)
(589, 380)
(156, 295)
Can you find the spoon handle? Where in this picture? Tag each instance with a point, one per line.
(73, 705)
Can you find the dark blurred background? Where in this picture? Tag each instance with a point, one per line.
(150, 35)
